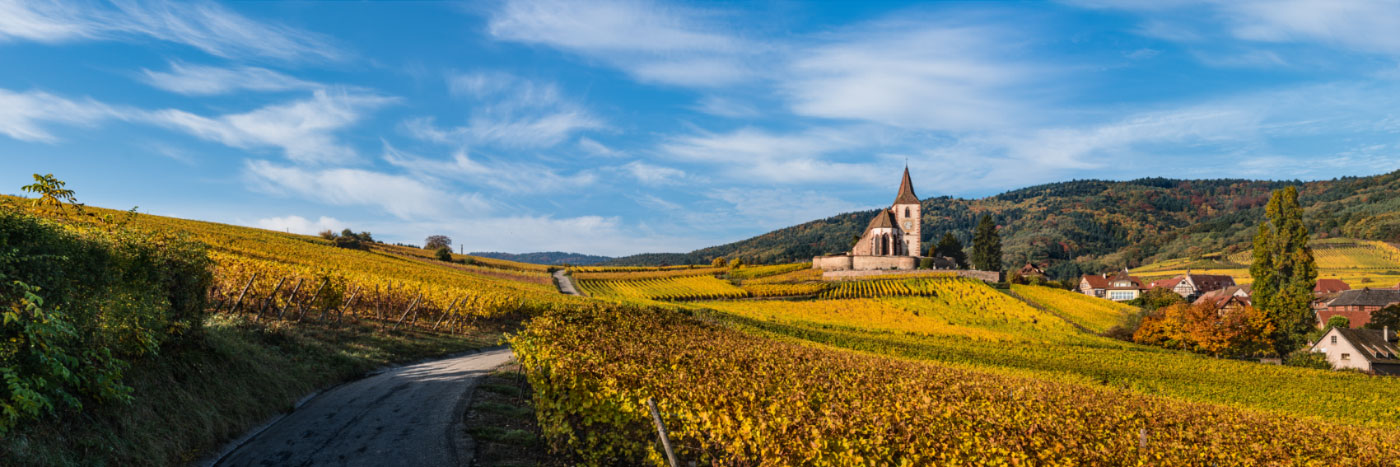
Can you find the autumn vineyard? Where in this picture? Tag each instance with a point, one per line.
(775, 365)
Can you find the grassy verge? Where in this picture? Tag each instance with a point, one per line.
(190, 400)
(501, 419)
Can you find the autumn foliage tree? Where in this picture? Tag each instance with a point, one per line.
(1241, 331)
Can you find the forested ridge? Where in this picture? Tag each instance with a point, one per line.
(1092, 225)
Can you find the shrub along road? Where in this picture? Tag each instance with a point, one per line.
(410, 415)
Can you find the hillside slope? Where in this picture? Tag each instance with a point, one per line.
(1094, 224)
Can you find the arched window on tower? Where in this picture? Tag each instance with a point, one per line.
(906, 211)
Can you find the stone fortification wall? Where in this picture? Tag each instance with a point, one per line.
(830, 275)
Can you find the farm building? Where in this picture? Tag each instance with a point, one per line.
(1119, 287)
(1226, 298)
(1367, 350)
(1192, 286)
(1357, 305)
(1330, 286)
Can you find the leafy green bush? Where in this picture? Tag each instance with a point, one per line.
(1306, 359)
(80, 300)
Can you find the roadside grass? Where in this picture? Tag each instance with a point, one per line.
(501, 418)
(191, 400)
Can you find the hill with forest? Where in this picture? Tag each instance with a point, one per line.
(1094, 225)
(547, 257)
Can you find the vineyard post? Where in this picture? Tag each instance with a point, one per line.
(291, 298)
(301, 312)
(344, 307)
(241, 294)
(412, 321)
(325, 311)
(661, 429)
(271, 297)
(1142, 438)
(411, 306)
(446, 313)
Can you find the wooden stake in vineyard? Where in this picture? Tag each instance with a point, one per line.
(661, 429)
(301, 313)
(410, 308)
(241, 294)
(345, 307)
(446, 313)
(290, 299)
(270, 298)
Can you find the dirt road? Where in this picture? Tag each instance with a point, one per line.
(409, 415)
(566, 283)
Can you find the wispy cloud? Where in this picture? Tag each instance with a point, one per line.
(508, 111)
(589, 145)
(756, 155)
(926, 74)
(726, 107)
(202, 80)
(1355, 25)
(203, 25)
(304, 130)
(653, 174)
(402, 196)
(513, 177)
(653, 42)
(23, 115)
(301, 225)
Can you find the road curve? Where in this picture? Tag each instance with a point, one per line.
(409, 415)
(566, 283)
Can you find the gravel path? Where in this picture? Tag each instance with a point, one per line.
(410, 415)
(566, 283)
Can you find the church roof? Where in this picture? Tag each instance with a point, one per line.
(906, 191)
(885, 219)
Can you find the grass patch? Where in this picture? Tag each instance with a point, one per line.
(501, 418)
(190, 400)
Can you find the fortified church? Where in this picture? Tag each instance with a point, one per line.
(890, 241)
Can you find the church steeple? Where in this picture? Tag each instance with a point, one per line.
(906, 190)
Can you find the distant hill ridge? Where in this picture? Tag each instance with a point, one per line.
(548, 257)
(1096, 225)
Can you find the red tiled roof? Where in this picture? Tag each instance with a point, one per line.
(1096, 281)
(1330, 286)
(1166, 283)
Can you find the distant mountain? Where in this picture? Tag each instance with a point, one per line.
(1096, 225)
(548, 257)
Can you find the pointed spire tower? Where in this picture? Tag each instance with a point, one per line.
(906, 211)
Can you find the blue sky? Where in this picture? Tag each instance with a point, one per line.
(626, 127)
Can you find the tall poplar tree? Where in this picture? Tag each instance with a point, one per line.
(986, 245)
(1284, 271)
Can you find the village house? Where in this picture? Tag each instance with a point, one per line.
(1030, 270)
(1229, 298)
(891, 240)
(1367, 350)
(1119, 287)
(1357, 305)
(1192, 286)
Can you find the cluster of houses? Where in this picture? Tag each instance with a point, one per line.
(1369, 350)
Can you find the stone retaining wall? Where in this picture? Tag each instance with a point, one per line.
(988, 276)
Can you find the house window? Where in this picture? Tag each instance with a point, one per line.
(1346, 356)
(1120, 295)
(1334, 339)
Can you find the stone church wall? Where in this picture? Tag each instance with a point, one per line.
(883, 262)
